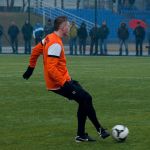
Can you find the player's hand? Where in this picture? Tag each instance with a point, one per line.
(28, 73)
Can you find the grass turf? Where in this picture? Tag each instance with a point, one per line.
(32, 118)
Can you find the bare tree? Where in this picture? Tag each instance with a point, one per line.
(55, 3)
(23, 4)
(7, 3)
(41, 3)
(10, 4)
(78, 4)
(62, 4)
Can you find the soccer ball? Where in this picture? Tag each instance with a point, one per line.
(120, 132)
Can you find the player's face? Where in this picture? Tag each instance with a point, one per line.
(66, 28)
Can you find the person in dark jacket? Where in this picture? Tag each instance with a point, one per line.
(27, 31)
(148, 38)
(103, 35)
(13, 32)
(82, 35)
(1, 34)
(139, 33)
(94, 40)
(123, 35)
(48, 28)
(38, 32)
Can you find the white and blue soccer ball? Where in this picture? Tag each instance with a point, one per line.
(120, 133)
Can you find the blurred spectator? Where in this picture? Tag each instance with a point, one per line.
(27, 31)
(139, 33)
(82, 35)
(148, 37)
(103, 34)
(131, 2)
(120, 6)
(48, 27)
(123, 35)
(13, 32)
(94, 40)
(73, 38)
(38, 32)
(1, 34)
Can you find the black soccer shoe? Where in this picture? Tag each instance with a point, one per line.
(103, 133)
(84, 138)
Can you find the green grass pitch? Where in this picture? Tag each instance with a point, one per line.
(32, 118)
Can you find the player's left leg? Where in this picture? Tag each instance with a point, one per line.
(76, 92)
(85, 100)
(70, 92)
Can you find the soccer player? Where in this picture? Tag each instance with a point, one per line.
(59, 81)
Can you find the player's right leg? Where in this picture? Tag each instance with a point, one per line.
(76, 92)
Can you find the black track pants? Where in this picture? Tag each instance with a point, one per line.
(75, 92)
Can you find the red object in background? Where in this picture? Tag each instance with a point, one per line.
(134, 22)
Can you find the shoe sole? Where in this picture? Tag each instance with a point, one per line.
(78, 141)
